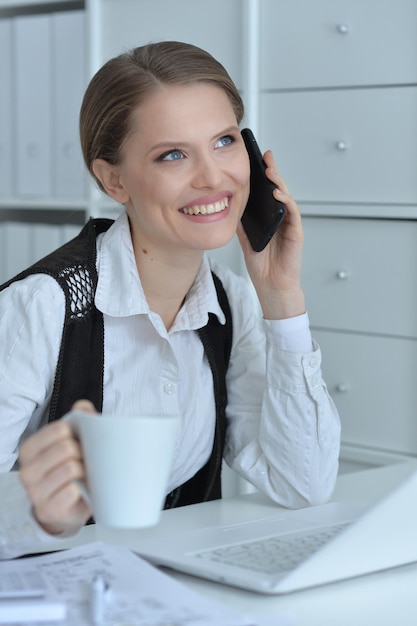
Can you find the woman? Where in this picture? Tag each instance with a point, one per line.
(160, 134)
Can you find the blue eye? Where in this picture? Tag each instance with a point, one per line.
(172, 155)
(225, 141)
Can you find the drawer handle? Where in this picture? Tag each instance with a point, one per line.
(342, 275)
(343, 29)
(341, 146)
(342, 387)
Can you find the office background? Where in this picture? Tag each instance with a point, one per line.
(331, 87)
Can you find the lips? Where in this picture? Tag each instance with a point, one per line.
(207, 209)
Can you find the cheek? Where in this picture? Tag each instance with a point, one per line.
(146, 190)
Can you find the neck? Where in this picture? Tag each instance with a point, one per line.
(166, 281)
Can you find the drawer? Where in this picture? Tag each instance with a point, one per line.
(214, 26)
(360, 274)
(345, 146)
(373, 383)
(334, 43)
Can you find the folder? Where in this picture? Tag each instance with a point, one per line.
(32, 52)
(69, 83)
(6, 108)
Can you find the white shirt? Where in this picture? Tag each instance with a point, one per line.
(283, 429)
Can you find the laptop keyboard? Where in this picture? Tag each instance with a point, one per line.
(273, 555)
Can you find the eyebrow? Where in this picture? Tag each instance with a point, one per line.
(166, 145)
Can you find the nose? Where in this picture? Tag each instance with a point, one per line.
(207, 172)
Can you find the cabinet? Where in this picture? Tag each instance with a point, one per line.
(331, 87)
(339, 108)
(362, 298)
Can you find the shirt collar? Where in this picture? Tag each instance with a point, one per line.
(119, 290)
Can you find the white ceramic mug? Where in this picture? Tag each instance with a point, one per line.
(128, 462)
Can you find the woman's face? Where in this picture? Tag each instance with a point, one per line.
(184, 170)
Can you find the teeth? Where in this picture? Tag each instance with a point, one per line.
(207, 209)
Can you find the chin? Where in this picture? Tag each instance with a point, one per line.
(213, 243)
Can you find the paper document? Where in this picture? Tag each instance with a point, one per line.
(136, 593)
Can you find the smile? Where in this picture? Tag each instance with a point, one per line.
(207, 209)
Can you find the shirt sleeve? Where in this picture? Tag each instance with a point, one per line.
(19, 532)
(283, 431)
(292, 335)
(31, 320)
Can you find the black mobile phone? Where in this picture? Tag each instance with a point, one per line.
(263, 214)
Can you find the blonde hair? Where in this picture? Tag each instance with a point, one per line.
(125, 81)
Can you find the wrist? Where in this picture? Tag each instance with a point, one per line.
(279, 305)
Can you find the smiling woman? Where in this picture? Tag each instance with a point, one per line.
(176, 175)
(132, 317)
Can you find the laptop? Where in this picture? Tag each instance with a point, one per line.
(293, 550)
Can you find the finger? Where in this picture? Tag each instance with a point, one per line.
(269, 160)
(51, 485)
(278, 181)
(273, 173)
(43, 478)
(84, 405)
(46, 437)
(65, 510)
(70, 471)
(58, 451)
(281, 191)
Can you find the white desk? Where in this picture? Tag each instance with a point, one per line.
(384, 599)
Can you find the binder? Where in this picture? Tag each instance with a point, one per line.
(32, 52)
(6, 99)
(69, 83)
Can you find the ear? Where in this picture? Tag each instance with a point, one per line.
(109, 177)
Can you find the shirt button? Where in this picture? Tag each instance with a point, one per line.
(170, 388)
(313, 363)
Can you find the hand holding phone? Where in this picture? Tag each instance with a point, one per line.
(263, 213)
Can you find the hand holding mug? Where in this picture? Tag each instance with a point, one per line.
(51, 463)
(113, 467)
(127, 462)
